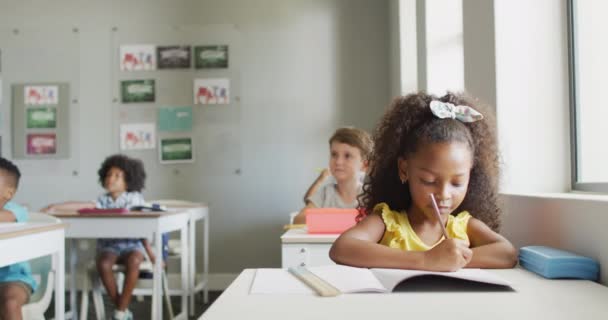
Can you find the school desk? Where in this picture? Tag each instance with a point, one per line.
(299, 248)
(148, 225)
(534, 298)
(24, 241)
(199, 212)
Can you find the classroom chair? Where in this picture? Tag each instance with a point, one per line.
(43, 270)
(92, 283)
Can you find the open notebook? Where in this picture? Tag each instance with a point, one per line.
(356, 280)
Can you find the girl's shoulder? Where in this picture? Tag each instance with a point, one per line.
(392, 219)
(462, 216)
(383, 208)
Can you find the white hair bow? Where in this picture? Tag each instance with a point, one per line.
(445, 110)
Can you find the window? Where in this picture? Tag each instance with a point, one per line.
(588, 62)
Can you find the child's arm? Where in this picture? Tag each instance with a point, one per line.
(7, 216)
(12, 212)
(68, 206)
(315, 185)
(359, 247)
(490, 249)
(301, 217)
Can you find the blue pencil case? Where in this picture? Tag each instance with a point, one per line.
(554, 263)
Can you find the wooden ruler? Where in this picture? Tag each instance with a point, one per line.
(319, 285)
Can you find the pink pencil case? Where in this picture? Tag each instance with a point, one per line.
(330, 220)
(96, 210)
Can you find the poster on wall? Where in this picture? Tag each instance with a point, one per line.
(211, 57)
(41, 118)
(41, 143)
(175, 119)
(137, 136)
(133, 91)
(176, 150)
(211, 91)
(173, 57)
(40, 95)
(137, 57)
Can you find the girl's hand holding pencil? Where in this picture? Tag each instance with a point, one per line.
(449, 254)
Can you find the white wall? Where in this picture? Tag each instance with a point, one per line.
(532, 94)
(307, 67)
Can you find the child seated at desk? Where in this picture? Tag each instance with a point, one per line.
(123, 178)
(349, 150)
(16, 282)
(429, 148)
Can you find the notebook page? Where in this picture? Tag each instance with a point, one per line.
(390, 278)
(349, 279)
(278, 281)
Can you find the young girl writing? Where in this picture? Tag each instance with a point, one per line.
(123, 178)
(349, 149)
(444, 147)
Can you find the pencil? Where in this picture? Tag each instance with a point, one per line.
(445, 232)
(294, 226)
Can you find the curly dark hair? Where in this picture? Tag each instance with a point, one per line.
(135, 175)
(409, 124)
(11, 171)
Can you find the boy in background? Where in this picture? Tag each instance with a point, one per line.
(16, 281)
(349, 150)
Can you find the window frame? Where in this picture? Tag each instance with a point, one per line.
(576, 185)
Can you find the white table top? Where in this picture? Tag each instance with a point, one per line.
(534, 298)
(301, 235)
(12, 229)
(126, 225)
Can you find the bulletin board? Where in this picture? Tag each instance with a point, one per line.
(213, 130)
(41, 120)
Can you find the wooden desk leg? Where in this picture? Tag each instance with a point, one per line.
(60, 280)
(184, 268)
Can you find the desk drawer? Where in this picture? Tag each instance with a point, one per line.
(309, 255)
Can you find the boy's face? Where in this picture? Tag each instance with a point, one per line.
(7, 189)
(441, 169)
(345, 161)
(115, 181)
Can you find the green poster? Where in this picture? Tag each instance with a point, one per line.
(137, 91)
(41, 118)
(175, 119)
(210, 57)
(176, 150)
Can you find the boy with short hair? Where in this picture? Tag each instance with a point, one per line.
(349, 149)
(16, 281)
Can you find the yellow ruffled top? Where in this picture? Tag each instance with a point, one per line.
(400, 235)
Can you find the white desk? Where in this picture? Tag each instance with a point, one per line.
(132, 225)
(199, 212)
(534, 298)
(298, 248)
(24, 241)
